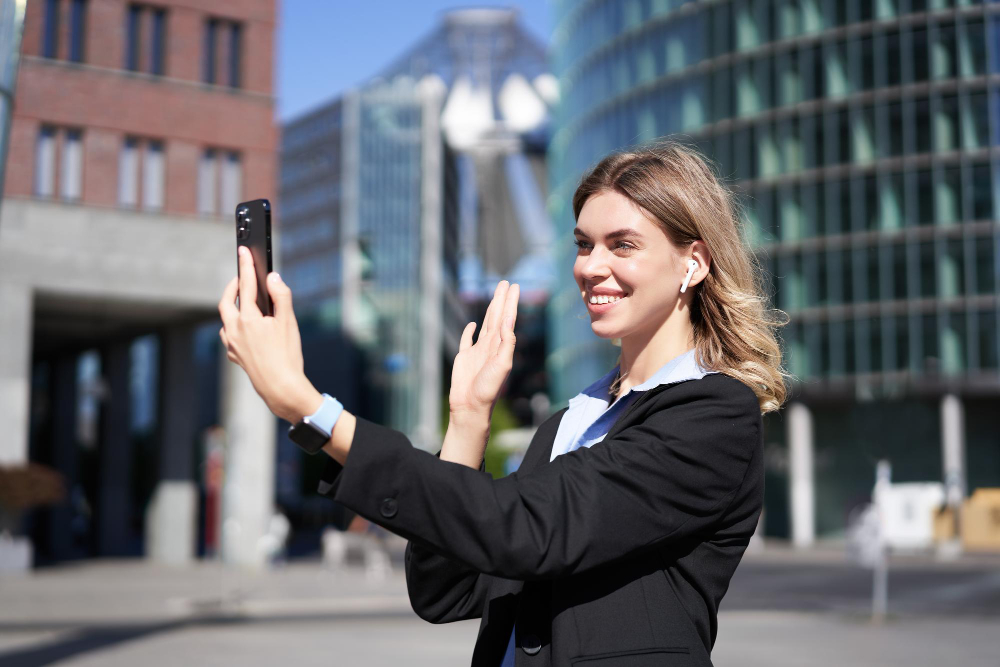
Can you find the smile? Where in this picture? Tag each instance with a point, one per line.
(603, 307)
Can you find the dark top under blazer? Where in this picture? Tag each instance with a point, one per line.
(616, 554)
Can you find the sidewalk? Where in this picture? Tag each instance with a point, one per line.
(785, 607)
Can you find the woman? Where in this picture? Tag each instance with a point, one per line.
(615, 540)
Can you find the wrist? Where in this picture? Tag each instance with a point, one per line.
(304, 400)
(469, 419)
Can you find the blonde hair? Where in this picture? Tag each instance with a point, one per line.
(735, 332)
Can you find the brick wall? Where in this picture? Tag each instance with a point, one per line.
(108, 103)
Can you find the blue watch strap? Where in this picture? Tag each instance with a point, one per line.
(327, 414)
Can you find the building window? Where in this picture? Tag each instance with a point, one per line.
(151, 23)
(232, 181)
(152, 176)
(132, 29)
(208, 63)
(235, 30)
(45, 162)
(147, 153)
(50, 30)
(128, 173)
(207, 178)
(68, 143)
(72, 166)
(223, 49)
(157, 43)
(78, 30)
(220, 181)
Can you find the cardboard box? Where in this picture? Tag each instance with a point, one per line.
(944, 524)
(980, 524)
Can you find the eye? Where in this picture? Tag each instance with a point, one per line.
(621, 244)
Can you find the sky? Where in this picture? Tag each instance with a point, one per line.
(327, 46)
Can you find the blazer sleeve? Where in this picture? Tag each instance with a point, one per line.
(670, 474)
(443, 590)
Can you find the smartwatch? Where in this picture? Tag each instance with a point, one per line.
(313, 431)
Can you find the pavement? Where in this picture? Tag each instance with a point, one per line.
(784, 607)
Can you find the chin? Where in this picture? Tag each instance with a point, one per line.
(600, 332)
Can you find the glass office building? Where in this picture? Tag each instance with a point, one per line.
(863, 137)
(403, 200)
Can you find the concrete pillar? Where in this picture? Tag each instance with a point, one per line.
(64, 453)
(114, 488)
(802, 493)
(248, 491)
(953, 450)
(15, 370)
(172, 514)
(428, 427)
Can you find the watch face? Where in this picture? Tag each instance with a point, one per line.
(309, 437)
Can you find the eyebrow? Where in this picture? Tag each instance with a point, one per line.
(625, 233)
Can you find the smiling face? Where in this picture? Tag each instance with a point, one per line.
(641, 264)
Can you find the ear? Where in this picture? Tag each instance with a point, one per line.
(699, 251)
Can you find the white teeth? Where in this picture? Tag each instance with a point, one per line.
(605, 299)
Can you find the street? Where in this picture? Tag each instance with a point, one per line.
(784, 608)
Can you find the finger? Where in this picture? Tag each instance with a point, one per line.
(281, 297)
(227, 304)
(507, 339)
(494, 311)
(483, 330)
(248, 285)
(466, 341)
(222, 337)
(510, 304)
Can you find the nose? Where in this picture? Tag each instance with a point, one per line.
(595, 267)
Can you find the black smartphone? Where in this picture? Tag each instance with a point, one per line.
(253, 229)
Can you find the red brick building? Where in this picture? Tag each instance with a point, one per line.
(137, 128)
(114, 70)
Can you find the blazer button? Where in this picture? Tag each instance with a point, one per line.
(388, 508)
(530, 644)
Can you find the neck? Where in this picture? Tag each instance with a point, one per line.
(645, 352)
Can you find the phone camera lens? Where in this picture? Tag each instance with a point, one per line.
(243, 223)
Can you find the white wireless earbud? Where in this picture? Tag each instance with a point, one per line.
(692, 265)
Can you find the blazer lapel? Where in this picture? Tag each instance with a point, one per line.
(540, 448)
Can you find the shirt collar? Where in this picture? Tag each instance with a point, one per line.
(682, 367)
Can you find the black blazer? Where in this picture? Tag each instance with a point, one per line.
(617, 554)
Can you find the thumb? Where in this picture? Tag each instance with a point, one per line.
(466, 341)
(281, 296)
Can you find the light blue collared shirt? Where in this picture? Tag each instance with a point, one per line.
(591, 414)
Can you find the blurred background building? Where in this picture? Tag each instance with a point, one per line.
(863, 137)
(136, 130)
(405, 201)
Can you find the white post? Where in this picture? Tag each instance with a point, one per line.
(801, 487)
(880, 575)
(953, 450)
(953, 466)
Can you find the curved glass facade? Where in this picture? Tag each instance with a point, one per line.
(863, 137)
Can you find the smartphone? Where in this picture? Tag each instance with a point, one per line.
(253, 230)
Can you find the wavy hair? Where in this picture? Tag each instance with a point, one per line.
(735, 332)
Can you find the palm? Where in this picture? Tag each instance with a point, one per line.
(481, 369)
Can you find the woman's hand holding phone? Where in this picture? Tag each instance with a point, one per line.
(268, 348)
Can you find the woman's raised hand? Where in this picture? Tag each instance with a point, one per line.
(481, 369)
